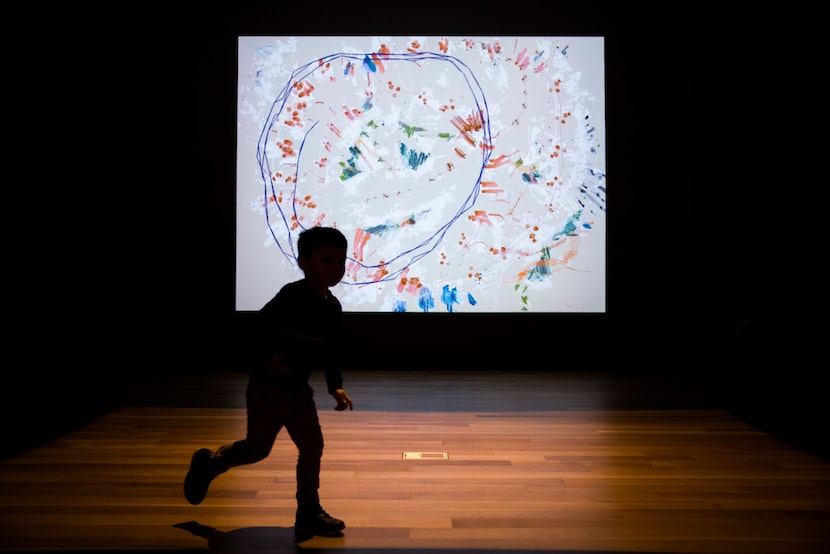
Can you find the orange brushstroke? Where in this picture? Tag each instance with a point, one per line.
(403, 280)
(480, 216)
(413, 285)
(510, 212)
(466, 126)
(490, 187)
(380, 273)
(550, 263)
(497, 161)
(378, 63)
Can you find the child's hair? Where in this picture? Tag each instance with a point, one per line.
(313, 237)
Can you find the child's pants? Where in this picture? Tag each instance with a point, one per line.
(270, 408)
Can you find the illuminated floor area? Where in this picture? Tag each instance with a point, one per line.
(535, 463)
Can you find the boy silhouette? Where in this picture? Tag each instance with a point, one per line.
(296, 331)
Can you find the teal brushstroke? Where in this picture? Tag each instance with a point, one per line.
(569, 230)
(531, 178)
(348, 171)
(540, 271)
(378, 230)
(350, 166)
(416, 159)
(413, 159)
(384, 228)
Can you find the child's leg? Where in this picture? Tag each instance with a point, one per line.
(268, 409)
(304, 429)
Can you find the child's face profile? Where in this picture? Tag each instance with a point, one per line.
(325, 266)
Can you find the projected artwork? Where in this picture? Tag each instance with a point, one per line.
(468, 173)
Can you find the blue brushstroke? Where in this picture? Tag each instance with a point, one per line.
(425, 300)
(348, 68)
(471, 299)
(369, 65)
(449, 297)
(400, 306)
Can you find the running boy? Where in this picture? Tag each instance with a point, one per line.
(296, 331)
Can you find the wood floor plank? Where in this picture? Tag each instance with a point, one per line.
(517, 477)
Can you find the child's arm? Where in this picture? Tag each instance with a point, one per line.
(343, 400)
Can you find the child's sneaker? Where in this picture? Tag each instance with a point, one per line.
(199, 476)
(317, 522)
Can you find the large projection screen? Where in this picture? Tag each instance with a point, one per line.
(467, 172)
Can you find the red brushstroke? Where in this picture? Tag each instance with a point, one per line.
(361, 237)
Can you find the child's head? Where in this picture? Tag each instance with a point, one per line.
(321, 254)
(313, 237)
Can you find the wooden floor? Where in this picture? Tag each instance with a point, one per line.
(585, 462)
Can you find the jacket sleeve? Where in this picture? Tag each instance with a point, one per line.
(333, 353)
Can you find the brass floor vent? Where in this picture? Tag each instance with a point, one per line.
(425, 456)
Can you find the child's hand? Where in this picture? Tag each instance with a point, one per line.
(343, 400)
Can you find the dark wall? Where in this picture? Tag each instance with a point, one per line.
(135, 224)
(669, 279)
